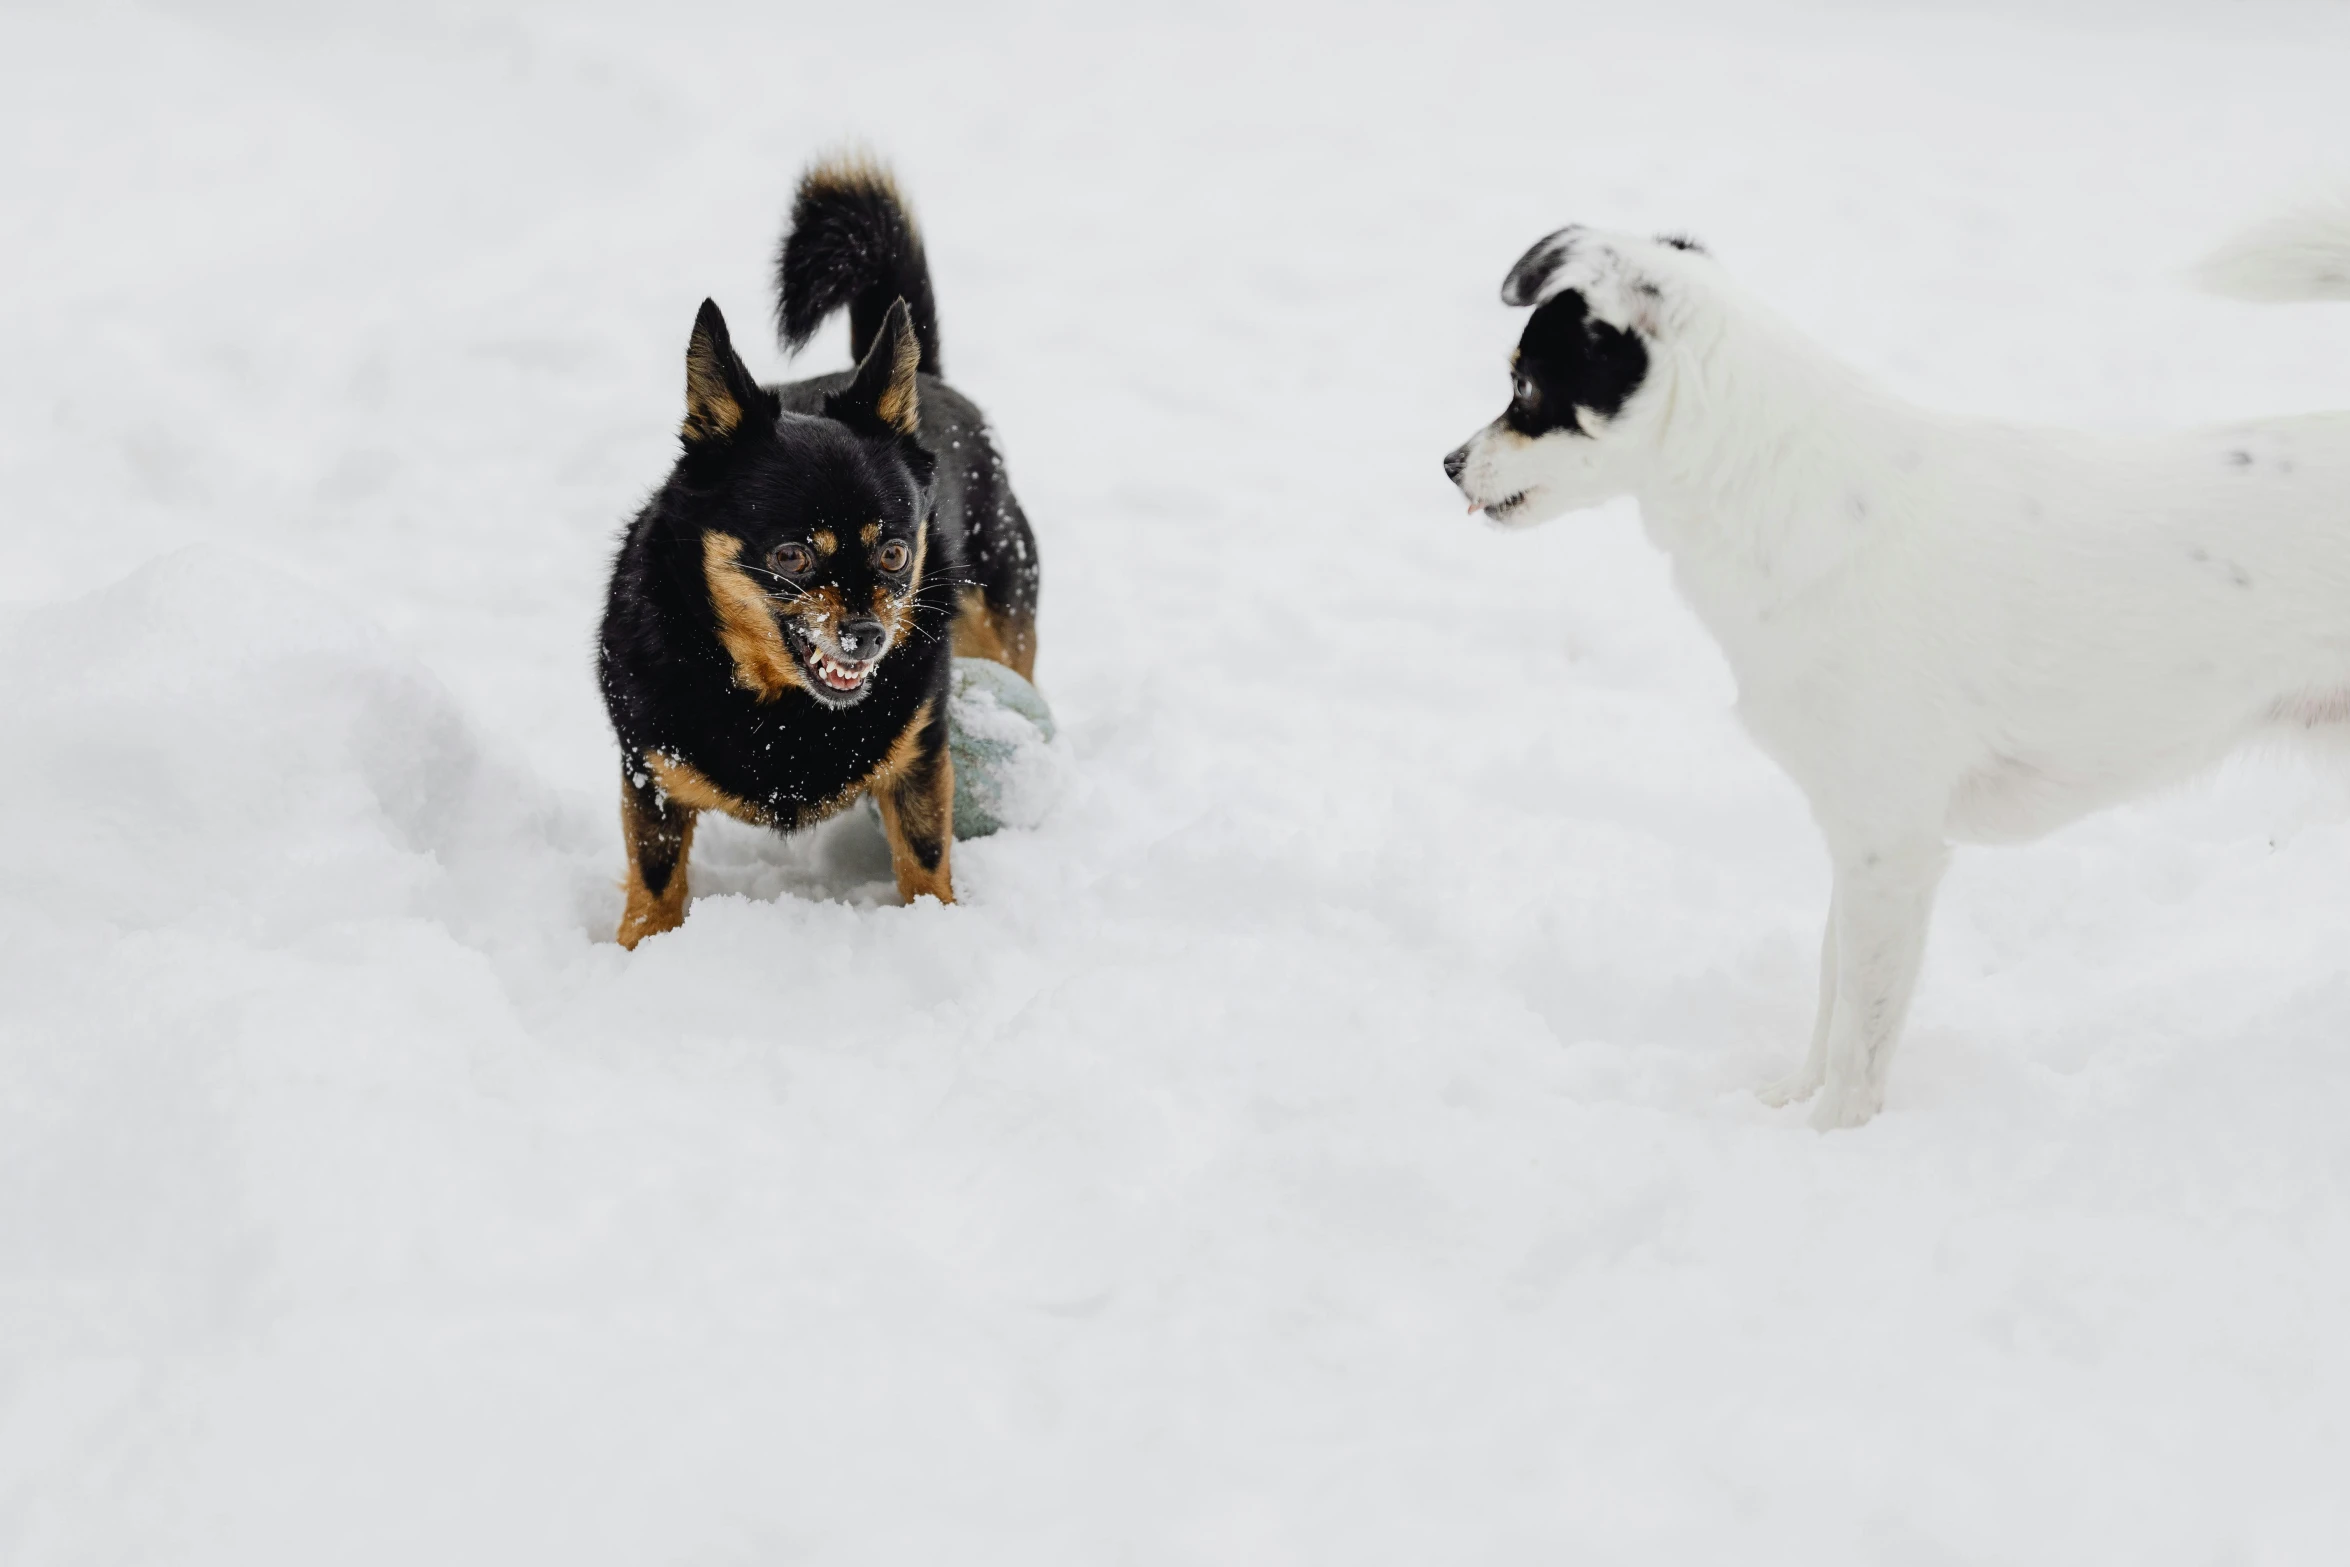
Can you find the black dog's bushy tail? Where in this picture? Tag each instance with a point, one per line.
(852, 242)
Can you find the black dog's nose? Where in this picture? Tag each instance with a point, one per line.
(1454, 461)
(861, 638)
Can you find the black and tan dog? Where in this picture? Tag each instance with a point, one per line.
(783, 613)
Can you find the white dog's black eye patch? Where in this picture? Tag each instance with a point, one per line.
(1569, 360)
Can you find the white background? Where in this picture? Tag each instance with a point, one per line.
(1329, 1139)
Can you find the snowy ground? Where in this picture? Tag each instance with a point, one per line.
(1329, 1139)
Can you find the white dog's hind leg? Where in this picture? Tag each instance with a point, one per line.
(1805, 1080)
(1884, 900)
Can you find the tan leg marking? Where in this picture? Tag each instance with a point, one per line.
(915, 788)
(657, 837)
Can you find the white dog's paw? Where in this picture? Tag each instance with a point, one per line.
(1843, 1105)
(1794, 1088)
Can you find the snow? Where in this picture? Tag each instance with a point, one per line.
(1328, 1136)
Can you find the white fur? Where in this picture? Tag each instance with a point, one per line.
(1952, 629)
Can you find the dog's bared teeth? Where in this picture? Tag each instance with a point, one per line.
(834, 673)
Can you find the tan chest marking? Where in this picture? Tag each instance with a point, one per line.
(689, 788)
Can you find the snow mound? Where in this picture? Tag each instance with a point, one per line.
(213, 741)
(2303, 254)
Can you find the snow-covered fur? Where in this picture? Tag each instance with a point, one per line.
(1944, 629)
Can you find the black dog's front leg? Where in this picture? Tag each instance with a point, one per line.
(657, 832)
(916, 793)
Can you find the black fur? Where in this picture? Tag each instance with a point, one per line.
(813, 458)
(851, 243)
(1523, 286)
(1569, 360)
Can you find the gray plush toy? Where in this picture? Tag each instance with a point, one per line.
(1000, 733)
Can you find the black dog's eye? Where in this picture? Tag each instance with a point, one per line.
(1522, 389)
(791, 560)
(894, 556)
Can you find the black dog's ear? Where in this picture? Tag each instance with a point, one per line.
(719, 392)
(1524, 284)
(884, 392)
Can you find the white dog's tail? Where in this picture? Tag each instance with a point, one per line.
(2304, 254)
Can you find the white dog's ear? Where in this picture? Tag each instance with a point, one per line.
(1535, 269)
(1619, 290)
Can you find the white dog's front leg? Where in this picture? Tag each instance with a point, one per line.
(1805, 1080)
(1884, 900)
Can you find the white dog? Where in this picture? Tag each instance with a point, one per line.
(1942, 628)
